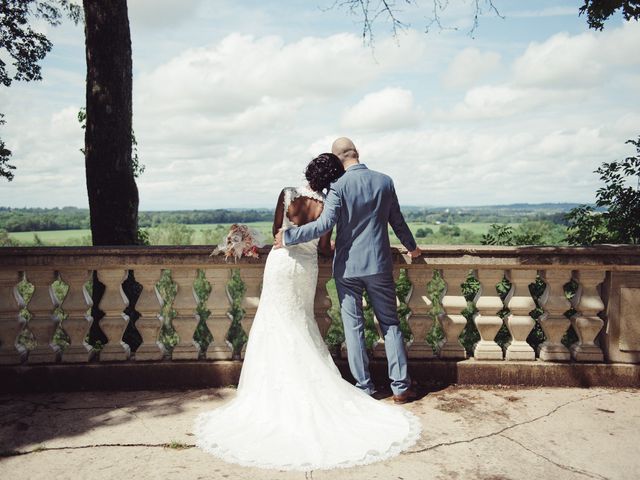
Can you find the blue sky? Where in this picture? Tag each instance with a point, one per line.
(232, 99)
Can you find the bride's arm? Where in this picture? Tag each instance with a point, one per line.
(278, 216)
(324, 245)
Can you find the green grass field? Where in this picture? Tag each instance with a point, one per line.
(216, 230)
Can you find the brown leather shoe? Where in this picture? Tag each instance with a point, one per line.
(406, 396)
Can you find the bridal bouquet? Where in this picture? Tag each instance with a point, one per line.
(240, 241)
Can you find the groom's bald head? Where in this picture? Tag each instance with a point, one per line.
(345, 150)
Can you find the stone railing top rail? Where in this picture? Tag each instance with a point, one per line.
(607, 257)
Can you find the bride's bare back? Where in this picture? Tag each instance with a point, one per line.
(302, 210)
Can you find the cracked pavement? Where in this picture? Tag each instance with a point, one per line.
(487, 433)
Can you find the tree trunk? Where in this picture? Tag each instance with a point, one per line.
(111, 186)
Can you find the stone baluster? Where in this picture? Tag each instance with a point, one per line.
(553, 321)
(11, 323)
(43, 322)
(115, 321)
(76, 325)
(219, 319)
(586, 322)
(149, 305)
(519, 322)
(187, 318)
(322, 302)
(487, 321)
(452, 321)
(252, 278)
(420, 319)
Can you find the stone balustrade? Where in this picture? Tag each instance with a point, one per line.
(603, 308)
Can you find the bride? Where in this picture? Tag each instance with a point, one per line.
(292, 409)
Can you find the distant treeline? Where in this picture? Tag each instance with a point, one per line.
(484, 214)
(71, 218)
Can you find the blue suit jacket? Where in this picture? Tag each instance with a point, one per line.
(360, 204)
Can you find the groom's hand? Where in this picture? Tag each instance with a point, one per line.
(415, 253)
(277, 241)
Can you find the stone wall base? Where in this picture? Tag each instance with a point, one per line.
(203, 374)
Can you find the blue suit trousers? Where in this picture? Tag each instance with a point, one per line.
(382, 295)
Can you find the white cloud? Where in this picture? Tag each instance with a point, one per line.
(240, 70)
(584, 60)
(387, 109)
(469, 66)
(558, 73)
(499, 101)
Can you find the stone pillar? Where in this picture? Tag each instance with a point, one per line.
(115, 321)
(586, 322)
(553, 322)
(149, 305)
(76, 305)
(487, 321)
(452, 321)
(252, 278)
(186, 319)
(11, 323)
(420, 319)
(620, 339)
(219, 320)
(322, 302)
(519, 322)
(43, 322)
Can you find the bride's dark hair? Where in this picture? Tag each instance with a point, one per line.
(323, 170)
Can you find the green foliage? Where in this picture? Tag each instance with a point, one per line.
(423, 232)
(5, 241)
(598, 11)
(236, 335)
(450, 230)
(167, 289)
(536, 232)
(170, 234)
(620, 199)
(5, 155)
(202, 288)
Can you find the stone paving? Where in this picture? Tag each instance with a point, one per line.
(487, 433)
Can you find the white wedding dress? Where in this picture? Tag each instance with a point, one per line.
(292, 409)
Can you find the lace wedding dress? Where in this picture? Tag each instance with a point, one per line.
(292, 409)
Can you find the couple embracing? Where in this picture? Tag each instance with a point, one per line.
(292, 409)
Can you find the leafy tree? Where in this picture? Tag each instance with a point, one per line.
(450, 230)
(598, 11)
(5, 155)
(423, 232)
(620, 199)
(505, 235)
(26, 47)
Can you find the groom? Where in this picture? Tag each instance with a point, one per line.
(361, 203)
